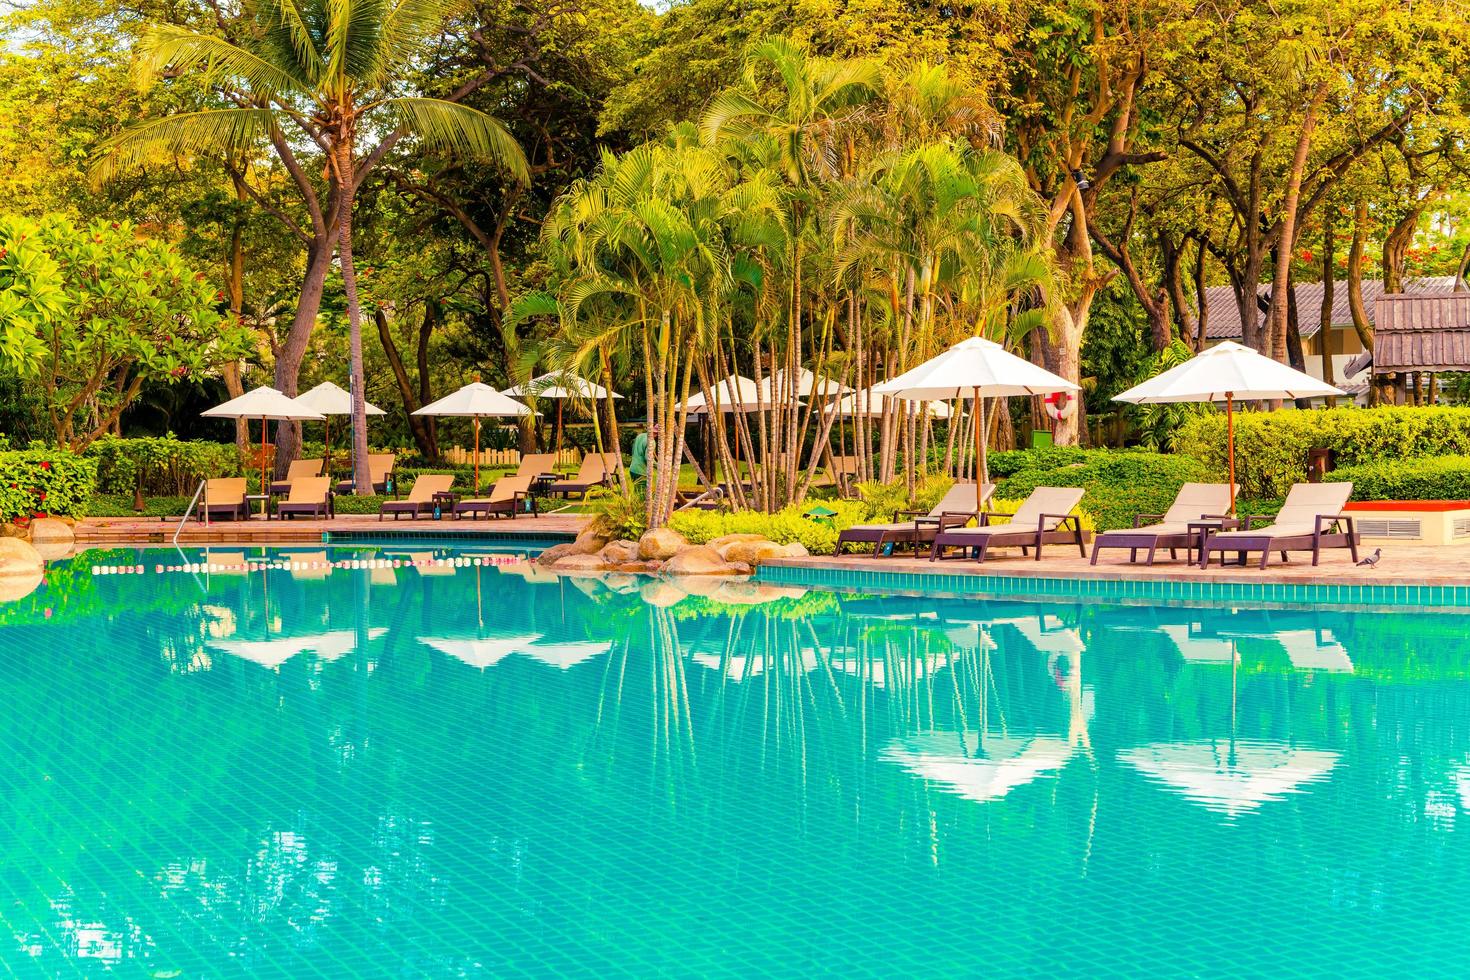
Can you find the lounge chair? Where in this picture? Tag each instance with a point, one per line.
(1311, 519)
(506, 497)
(380, 468)
(308, 498)
(224, 498)
(301, 469)
(955, 508)
(1194, 502)
(1041, 519)
(420, 499)
(596, 471)
(537, 464)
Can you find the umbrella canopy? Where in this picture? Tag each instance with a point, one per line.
(560, 384)
(480, 653)
(1232, 778)
(973, 364)
(868, 404)
(807, 384)
(273, 653)
(476, 400)
(976, 368)
(734, 392)
(329, 399)
(566, 655)
(1227, 372)
(263, 403)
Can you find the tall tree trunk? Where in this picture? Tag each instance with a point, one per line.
(1355, 294)
(361, 475)
(417, 424)
(1276, 335)
(1294, 354)
(291, 353)
(234, 384)
(1329, 288)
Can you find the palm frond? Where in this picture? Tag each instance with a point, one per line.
(406, 24)
(287, 30)
(215, 132)
(166, 46)
(460, 130)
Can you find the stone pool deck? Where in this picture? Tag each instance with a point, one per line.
(103, 531)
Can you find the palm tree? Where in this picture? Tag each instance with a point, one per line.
(334, 77)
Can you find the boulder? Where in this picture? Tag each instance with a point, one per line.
(580, 563)
(797, 550)
(740, 568)
(662, 594)
(660, 544)
(727, 539)
(698, 560)
(589, 542)
(21, 569)
(617, 552)
(49, 530)
(754, 552)
(641, 567)
(555, 554)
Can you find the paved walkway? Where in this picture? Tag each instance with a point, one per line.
(138, 530)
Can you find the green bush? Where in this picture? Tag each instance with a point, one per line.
(1009, 462)
(1119, 485)
(166, 466)
(1271, 447)
(44, 483)
(785, 526)
(881, 500)
(1441, 478)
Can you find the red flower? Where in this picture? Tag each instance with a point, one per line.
(45, 464)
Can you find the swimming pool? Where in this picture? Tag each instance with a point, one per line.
(461, 769)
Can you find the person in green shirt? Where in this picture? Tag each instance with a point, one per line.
(641, 464)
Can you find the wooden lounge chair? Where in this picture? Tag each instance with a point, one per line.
(537, 464)
(596, 471)
(224, 499)
(301, 469)
(1041, 519)
(1194, 502)
(308, 498)
(420, 499)
(955, 508)
(1311, 519)
(506, 497)
(380, 468)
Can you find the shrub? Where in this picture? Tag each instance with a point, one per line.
(167, 466)
(1441, 478)
(1271, 447)
(882, 499)
(1119, 485)
(1009, 462)
(785, 526)
(621, 516)
(44, 483)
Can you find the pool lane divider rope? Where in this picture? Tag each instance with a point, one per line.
(193, 568)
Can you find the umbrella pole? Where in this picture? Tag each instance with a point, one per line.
(477, 455)
(982, 469)
(1230, 444)
(558, 432)
(264, 487)
(327, 446)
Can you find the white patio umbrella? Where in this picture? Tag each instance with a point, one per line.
(980, 369)
(329, 399)
(268, 405)
(476, 401)
(480, 653)
(868, 404)
(732, 393)
(807, 384)
(567, 654)
(560, 386)
(1227, 372)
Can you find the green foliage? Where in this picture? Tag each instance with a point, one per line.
(784, 526)
(621, 516)
(881, 500)
(1159, 425)
(121, 505)
(1009, 462)
(1440, 478)
(1271, 447)
(167, 466)
(1119, 485)
(81, 308)
(44, 482)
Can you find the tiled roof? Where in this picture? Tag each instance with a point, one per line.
(1224, 315)
(1427, 333)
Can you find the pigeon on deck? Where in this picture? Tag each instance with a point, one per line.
(1372, 559)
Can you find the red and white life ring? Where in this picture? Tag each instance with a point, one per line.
(1060, 405)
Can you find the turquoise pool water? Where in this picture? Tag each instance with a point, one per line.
(478, 770)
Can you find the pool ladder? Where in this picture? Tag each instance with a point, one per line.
(193, 502)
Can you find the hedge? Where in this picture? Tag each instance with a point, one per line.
(1441, 478)
(1119, 485)
(168, 466)
(1271, 447)
(44, 483)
